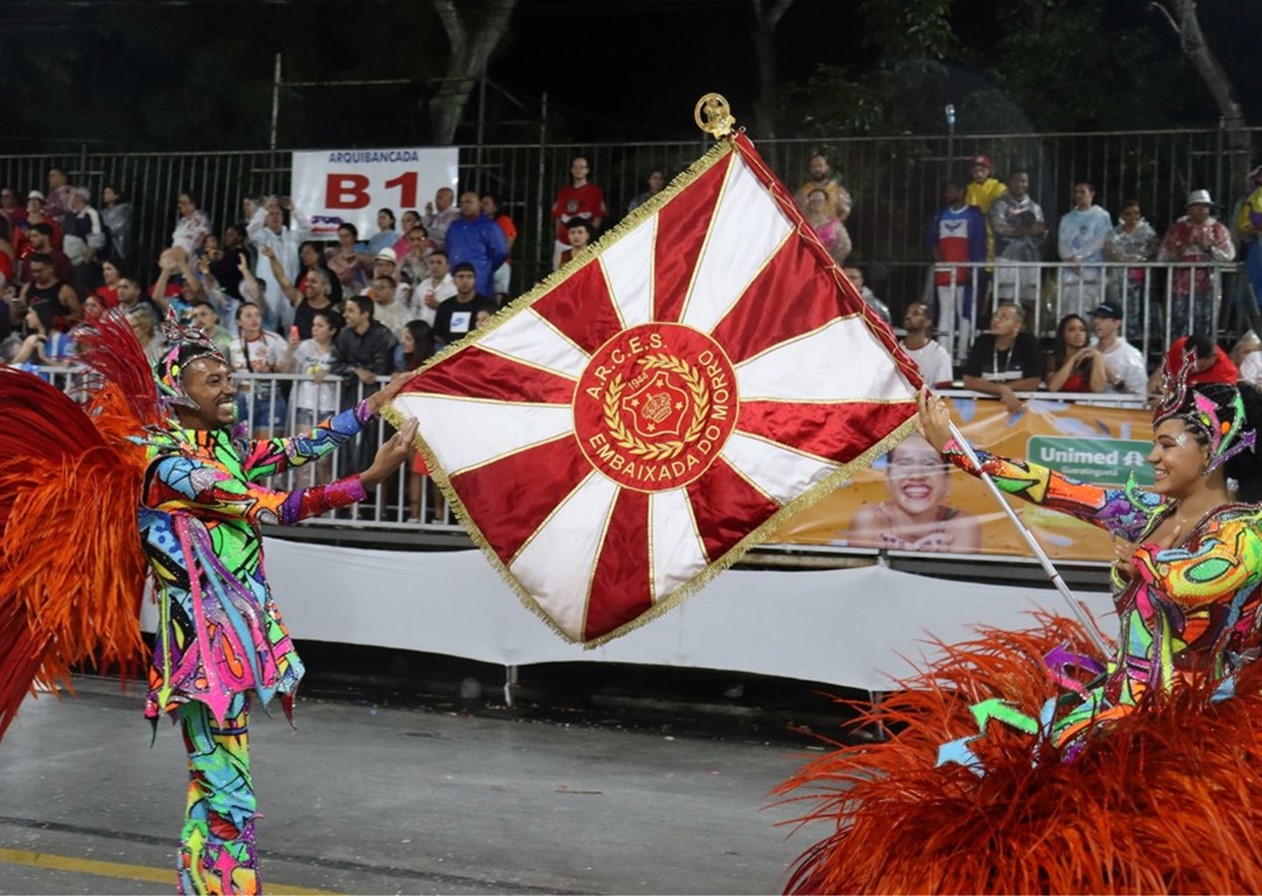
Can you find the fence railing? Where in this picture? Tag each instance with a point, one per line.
(277, 405)
(896, 182)
(1160, 300)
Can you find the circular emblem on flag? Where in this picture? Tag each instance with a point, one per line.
(655, 405)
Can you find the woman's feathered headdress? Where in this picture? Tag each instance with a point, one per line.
(1222, 422)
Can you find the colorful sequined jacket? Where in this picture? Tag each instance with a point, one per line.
(219, 631)
(1190, 609)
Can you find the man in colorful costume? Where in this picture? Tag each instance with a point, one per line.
(165, 439)
(220, 636)
(1134, 773)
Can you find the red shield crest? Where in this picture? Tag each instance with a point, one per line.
(657, 408)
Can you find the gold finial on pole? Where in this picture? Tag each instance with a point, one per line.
(714, 116)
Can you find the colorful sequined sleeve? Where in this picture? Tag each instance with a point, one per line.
(1125, 511)
(1223, 562)
(269, 457)
(181, 484)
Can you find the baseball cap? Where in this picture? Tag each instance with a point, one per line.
(1107, 309)
(464, 266)
(983, 160)
(387, 254)
(35, 194)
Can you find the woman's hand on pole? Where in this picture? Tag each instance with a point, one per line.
(934, 420)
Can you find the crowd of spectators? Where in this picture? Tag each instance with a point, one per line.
(347, 312)
(309, 325)
(990, 246)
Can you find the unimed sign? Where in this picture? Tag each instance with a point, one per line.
(1098, 461)
(333, 186)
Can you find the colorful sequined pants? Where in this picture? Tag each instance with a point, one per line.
(217, 853)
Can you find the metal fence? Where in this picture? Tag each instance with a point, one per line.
(1160, 300)
(271, 407)
(896, 182)
(409, 500)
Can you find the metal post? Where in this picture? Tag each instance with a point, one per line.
(271, 143)
(477, 184)
(545, 236)
(510, 685)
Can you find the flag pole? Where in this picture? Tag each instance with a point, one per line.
(1052, 573)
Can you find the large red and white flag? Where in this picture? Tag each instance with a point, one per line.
(654, 409)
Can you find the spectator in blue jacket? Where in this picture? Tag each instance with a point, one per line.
(476, 239)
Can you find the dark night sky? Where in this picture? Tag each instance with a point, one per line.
(635, 68)
(613, 70)
(632, 69)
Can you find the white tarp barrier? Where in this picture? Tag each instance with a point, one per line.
(850, 627)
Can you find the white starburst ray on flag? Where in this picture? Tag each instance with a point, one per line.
(628, 270)
(838, 361)
(661, 344)
(747, 230)
(676, 551)
(567, 533)
(468, 432)
(774, 469)
(522, 339)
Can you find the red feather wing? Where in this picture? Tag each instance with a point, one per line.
(72, 569)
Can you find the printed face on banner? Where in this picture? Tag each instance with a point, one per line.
(351, 185)
(911, 487)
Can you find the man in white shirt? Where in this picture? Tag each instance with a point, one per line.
(1127, 371)
(267, 228)
(388, 309)
(932, 359)
(434, 289)
(439, 215)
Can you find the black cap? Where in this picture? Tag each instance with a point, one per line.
(1105, 309)
(464, 266)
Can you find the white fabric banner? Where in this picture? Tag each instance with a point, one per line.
(852, 627)
(336, 185)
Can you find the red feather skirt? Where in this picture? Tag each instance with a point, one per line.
(1168, 799)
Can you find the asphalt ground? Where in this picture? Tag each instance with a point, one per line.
(615, 780)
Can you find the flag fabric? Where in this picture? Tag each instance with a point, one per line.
(631, 427)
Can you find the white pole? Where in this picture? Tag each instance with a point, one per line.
(276, 82)
(1074, 606)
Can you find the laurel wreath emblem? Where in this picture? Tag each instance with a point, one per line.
(670, 448)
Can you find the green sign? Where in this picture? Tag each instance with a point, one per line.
(1099, 461)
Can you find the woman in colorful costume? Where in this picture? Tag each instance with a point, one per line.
(1023, 764)
(165, 440)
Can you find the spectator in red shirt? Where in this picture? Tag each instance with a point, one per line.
(580, 198)
(35, 214)
(579, 235)
(1196, 237)
(1212, 364)
(40, 242)
(9, 208)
